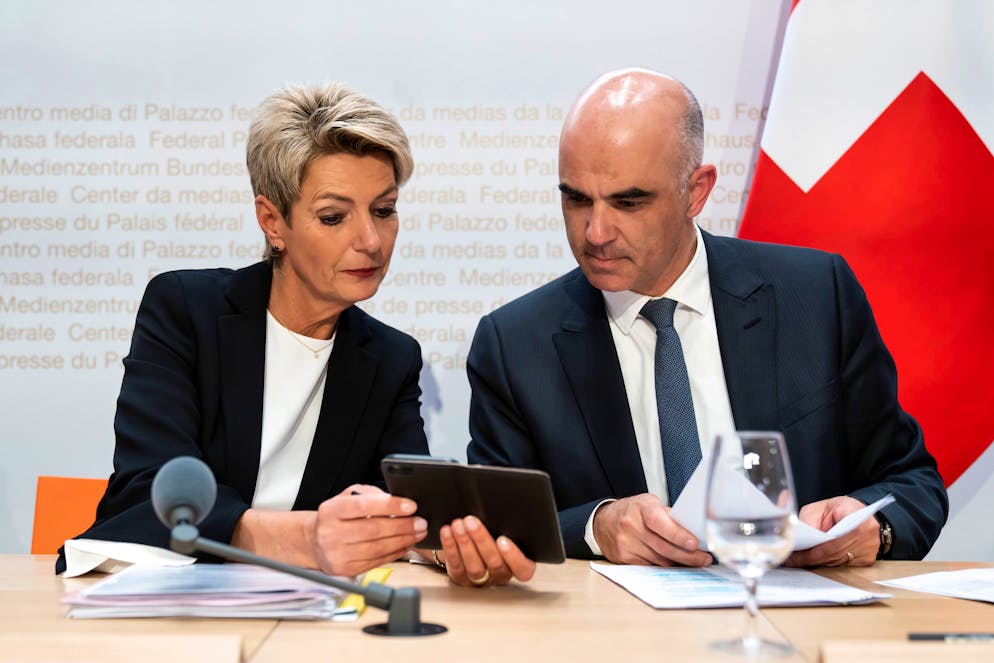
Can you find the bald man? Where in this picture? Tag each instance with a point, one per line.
(772, 337)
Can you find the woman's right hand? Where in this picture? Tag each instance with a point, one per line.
(362, 528)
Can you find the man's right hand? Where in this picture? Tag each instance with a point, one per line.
(640, 530)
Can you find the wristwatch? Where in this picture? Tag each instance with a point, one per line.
(886, 536)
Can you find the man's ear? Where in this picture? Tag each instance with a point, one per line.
(701, 182)
(270, 220)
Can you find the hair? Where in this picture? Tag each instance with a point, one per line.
(691, 138)
(294, 125)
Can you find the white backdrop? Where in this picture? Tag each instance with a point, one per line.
(122, 129)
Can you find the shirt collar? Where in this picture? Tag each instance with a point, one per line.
(691, 290)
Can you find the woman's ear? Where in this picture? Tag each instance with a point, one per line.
(270, 220)
(272, 223)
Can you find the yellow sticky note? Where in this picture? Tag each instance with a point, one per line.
(380, 574)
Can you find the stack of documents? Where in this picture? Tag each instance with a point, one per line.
(716, 587)
(208, 590)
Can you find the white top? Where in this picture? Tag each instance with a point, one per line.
(635, 341)
(291, 402)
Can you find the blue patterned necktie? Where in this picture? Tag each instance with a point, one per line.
(677, 425)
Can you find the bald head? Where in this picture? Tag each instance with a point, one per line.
(636, 106)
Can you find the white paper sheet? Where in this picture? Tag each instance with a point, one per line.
(689, 512)
(717, 587)
(85, 555)
(973, 584)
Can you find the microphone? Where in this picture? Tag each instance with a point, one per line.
(183, 493)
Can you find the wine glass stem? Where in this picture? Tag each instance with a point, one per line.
(751, 638)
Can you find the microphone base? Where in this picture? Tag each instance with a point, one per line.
(422, 628)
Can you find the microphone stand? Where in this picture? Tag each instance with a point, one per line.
(403, 604)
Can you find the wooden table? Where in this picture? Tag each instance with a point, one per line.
(567, 613)
(570, 613)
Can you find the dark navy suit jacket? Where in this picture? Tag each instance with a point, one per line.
(801, 354)
(193, 384)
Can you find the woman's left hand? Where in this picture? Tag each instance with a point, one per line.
(473, 558)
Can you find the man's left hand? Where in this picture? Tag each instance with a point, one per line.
(857, 548)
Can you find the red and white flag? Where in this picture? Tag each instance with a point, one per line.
(878, 146)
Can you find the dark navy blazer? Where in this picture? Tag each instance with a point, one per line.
(801, 354)
(193, 384)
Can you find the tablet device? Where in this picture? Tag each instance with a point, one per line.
(514, 502)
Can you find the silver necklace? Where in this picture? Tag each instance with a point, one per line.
(295, 337)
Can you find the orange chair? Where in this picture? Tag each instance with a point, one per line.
(64, 507)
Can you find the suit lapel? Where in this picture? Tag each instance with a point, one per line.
(243, 364)
(744, 310)
(590, 361)
(350, 377)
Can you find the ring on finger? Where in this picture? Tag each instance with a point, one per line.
(439, 563)
(849, 557)
(482, 580)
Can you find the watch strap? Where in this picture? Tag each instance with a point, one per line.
(886, 537)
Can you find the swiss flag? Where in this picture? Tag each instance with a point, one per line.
(877, 146)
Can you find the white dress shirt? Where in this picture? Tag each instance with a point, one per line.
(291, 403)
(635, 342)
